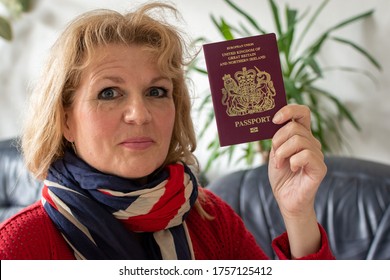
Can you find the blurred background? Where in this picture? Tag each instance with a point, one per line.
(365, 94)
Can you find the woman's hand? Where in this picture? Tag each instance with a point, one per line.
(296, 169)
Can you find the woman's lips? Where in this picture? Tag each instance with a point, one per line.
(137, 143)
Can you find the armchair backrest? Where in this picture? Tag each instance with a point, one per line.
(18, 188)
(352, 204)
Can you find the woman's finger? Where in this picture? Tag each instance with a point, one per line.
(293, 112)
(295, 145)
(290, 130)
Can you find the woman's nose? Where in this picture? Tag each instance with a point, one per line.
(137, 112)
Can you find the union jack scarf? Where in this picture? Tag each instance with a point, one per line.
(103, 216)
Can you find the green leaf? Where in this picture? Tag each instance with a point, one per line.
(311, 21)
(350, 20)
(314, 65)
(200, 40)
(316, 47)
(342, 109)
(26, 5)
(215, 153)
(291, 15)
(5, 29)
(231, 150)
(193, 66)
(250, 19)
(317, 126)
(312, 51)
(266, 145)
(275, 13)
(364, 72)
(223, 28)
(360, 50)
(206, 101)
(250, 153)
(200, 70)
(244, 31)
(209, 120)
(292, 91)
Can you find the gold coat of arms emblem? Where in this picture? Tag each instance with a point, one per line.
(250, 91)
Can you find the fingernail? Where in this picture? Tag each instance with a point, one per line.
(277, 118)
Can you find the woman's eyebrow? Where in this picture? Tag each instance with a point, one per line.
(114, 79)
(160, 78)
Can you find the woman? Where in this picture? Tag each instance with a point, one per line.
(110, 133)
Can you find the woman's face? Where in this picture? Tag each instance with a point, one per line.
(123, 114)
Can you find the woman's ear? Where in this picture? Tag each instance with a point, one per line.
(67, 128)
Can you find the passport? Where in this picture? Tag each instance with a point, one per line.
(246, 85)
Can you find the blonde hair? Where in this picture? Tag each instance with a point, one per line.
(43, 141)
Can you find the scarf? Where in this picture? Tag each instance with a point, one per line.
(103, 216)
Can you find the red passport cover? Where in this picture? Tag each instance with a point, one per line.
(247, 89)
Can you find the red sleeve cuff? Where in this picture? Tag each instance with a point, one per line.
(281, 247)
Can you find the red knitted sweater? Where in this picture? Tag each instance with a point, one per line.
(31, 234)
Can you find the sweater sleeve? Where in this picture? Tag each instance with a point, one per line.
(30, 235)
(282, 248)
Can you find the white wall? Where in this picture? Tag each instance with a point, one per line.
(21, 59)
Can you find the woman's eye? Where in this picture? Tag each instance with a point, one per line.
(158, 92)
(108, 94)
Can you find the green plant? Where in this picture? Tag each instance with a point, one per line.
(301, 71)
(15, 9)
